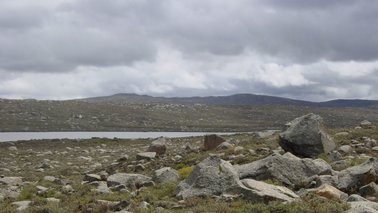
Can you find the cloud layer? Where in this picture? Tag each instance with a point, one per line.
(313, 50)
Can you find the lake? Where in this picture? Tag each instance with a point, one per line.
(15, 136)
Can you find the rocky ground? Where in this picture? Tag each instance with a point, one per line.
(323, 170)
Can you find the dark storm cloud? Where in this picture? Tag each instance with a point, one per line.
(106, 33)
(293, 48)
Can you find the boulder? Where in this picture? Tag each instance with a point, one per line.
(132, 181)
(357, 176)
(158, 146)
(306, 137)
(213, 176)
(287, 168)
(165, 175)
(146, 155)
(330, 192)
(212, 141)
(258, 191)
(363, 207)
(345, 149)
(370, 189)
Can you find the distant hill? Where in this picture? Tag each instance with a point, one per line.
(232, 100)
(130, 112)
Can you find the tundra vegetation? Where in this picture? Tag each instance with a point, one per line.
(267, 171)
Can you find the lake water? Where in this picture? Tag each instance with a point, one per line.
(15, 136)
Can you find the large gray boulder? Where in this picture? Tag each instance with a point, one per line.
(357, 176)
(258, 191)
(212, 141)
(288, 168)
(306, 137)
(132, 181)
(213, 176)
(165, 175)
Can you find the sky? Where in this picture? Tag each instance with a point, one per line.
(310, 50)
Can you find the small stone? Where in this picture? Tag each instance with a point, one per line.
(49, 178)
(263, 150)
(67, 189)
(345, 149)
(12, 148)
(143, 205)
(177, 158)
(92, 177)
(335, 156)
(103, 175)
(146, 156)
(22, 205)
(238, 149)
(53, 200)
(102, 188)
(41, 190)
(123, 158)
(139, 168)
(224, 146)
(342, 134)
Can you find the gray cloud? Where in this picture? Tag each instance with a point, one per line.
(276, 47)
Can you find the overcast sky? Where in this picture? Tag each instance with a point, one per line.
(312, 50)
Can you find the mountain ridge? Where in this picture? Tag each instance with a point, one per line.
(242, 99)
